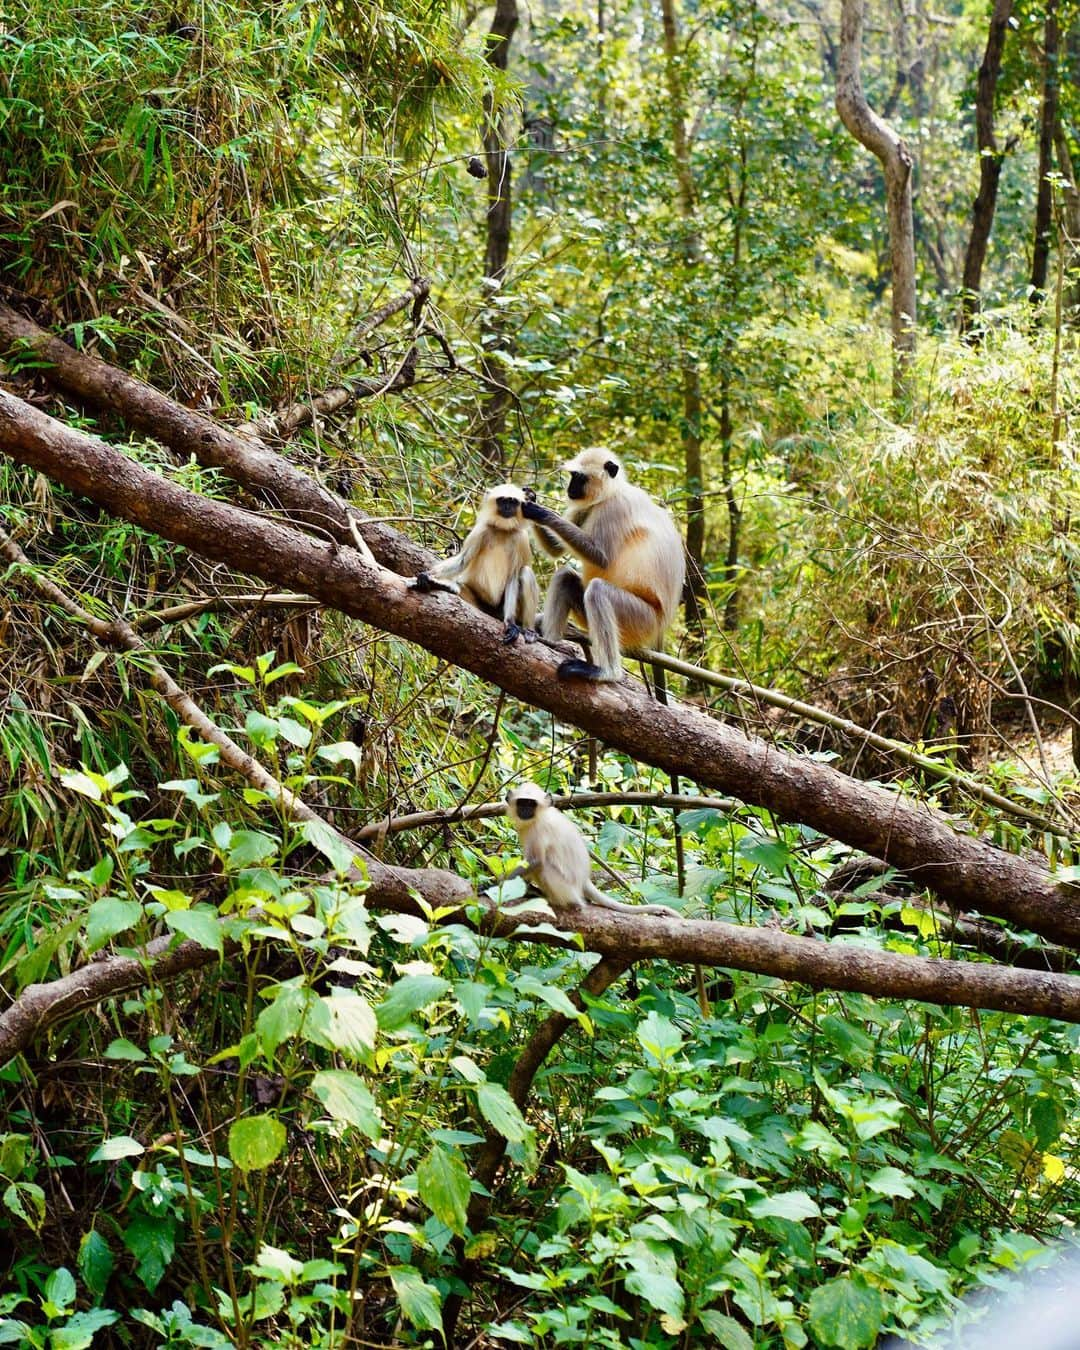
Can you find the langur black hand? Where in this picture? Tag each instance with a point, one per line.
(534, 511)
(423, 583)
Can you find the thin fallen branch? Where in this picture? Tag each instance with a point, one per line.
(965, 872)
(578, 801)
(898, 749)
(219, 604)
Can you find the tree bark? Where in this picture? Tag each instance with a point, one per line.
(691, 249)
(1044, 199)
(963, 871)
(497, 243)
(990, 162)
(873, 132)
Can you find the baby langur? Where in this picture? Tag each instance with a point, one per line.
(632, 565)
(556, 858)
(492, 570)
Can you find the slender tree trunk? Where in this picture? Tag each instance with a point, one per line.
(696, 591)
(990, 162)
(1070, 223)
(1044, 200)
(872, 131)
(497, 243)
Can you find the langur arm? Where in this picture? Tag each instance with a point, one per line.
(552, 545)
(520, 601)
(577, 541)
(444, 575)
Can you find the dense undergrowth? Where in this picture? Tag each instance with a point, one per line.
(277, 1149)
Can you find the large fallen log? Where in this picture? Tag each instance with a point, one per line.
(965, 872)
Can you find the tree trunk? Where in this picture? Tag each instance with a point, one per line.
(1044, 199)
(497, 244)
(990, 162)
(1070, 223)
(693, 472)
(963, 871)
(872, 131)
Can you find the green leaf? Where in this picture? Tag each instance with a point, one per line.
(152, 1242)
(16, 1197)
(336, 850)
(350, 1024)
(13, 1151)
(500, 1111)
(283, 1017)
(348, 1099)
(725, 1330)
(248, 847)
(60, 1288)
(274, 1264)
(795, 1205)
(121, 1048)
(119, 1146)
(409, 995)
(78, 1332)
(891, 1181)
(201, 925)
(95, 1261)
(659, 1037)
(110, 916)
(420, 1302)
(846, 1312)
(256, 1141)
(442, 1181)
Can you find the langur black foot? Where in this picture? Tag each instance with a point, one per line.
(529, 635)
(511, 633)
(423, 583)
(580, 670)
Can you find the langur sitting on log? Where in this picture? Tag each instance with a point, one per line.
(632, 565)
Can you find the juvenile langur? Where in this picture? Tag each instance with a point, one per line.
(492, 570)
(556, 857)
(632, 564)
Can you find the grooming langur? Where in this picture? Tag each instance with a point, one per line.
(632, 564)
(556, 857)
(492, 570)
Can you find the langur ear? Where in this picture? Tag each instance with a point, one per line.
(611, 468)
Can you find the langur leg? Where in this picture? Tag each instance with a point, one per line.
(521, 602)
(565, 596)
(607, 609)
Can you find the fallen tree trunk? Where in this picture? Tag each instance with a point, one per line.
(963, 871)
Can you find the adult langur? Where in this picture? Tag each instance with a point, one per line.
(632, 565)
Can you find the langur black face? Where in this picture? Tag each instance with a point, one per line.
(525, 801)
(508, 507)
(578, 486)
(526, 807)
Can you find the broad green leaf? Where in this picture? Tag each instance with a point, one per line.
(847, 1313)
(274, 1264)
(500, 1111)
(119, 1146)
(78, 1332)
(256, 1141)
(26, 1200)
(121, 1048)
(347, 1098)
(420, 1302)
(335, 849)
(725, 1331)
(891, 1181)
(409, 995)
(283, 1017)
(13, 1152)
(201, 925)
(350, 1024)
(796, 1205)
(109, 916)
(442, 1181)
(95, 1261)
(249, 847)
(60, 1288)
(659, 1037)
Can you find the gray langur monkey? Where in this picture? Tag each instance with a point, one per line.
(556, 856)
(492, 570)
(632, 565)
